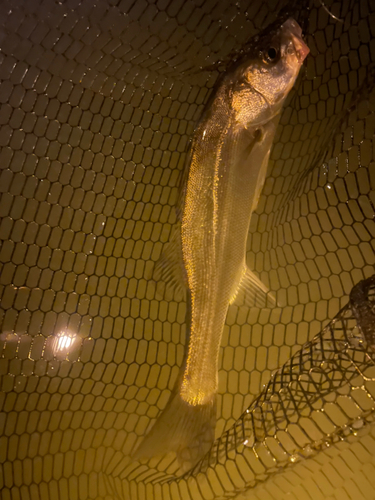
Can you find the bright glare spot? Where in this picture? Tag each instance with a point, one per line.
(245, 442)
(9, 337)
(63, 342)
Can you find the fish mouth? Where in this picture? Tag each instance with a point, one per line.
(300, 47)
(296, 34)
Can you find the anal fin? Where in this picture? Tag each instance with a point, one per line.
(252, 292)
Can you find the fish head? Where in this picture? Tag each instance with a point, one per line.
(261, 83)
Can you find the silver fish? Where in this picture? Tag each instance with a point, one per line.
(227, 166)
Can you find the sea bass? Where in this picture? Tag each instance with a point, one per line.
(227, 165)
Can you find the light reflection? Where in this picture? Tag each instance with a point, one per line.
(64, 342)
(9, 337)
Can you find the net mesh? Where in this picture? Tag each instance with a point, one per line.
(98, 102)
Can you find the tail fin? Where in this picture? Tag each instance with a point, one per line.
(187, 430)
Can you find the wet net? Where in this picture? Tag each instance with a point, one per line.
(98, 102)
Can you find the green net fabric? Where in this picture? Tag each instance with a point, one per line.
(98, 101)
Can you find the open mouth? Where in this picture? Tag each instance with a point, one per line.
(301, 48)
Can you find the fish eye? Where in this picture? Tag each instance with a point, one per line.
(270, 55)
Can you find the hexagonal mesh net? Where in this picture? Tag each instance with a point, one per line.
(98, 102)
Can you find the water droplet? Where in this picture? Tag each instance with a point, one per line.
(358, 424)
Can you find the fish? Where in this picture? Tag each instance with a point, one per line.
(225, 173)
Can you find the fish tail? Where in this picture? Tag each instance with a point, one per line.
(188, 430)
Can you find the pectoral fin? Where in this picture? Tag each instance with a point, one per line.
(252, 292)
(254, 137)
